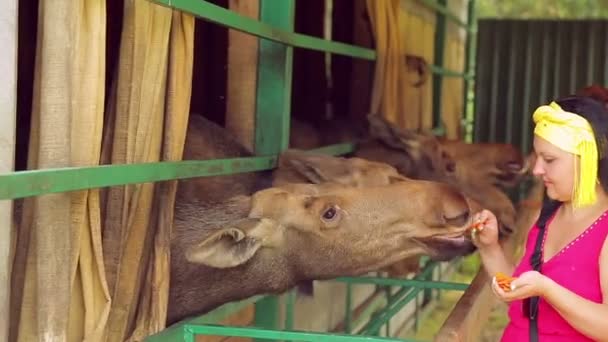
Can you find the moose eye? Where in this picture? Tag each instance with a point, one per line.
(329, 213)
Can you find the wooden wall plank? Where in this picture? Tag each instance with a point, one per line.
(8, 103)
(242, 76)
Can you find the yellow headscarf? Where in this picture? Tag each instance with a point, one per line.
(571, 133)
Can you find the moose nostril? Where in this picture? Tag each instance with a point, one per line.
(514, 166)
(504, 231)
(450, 167)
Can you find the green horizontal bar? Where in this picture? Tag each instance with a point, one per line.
(37, 182)
(282, 335)
(447, 13)
(450, 73)
(225, 17)
(439, 131)
(442, 285)
(177, 331)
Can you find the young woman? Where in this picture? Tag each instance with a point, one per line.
(561, 290)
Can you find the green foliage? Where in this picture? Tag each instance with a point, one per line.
(470, 265)
(542, 9)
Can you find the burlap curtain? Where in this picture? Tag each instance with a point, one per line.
(390, 75)
(57, 267)
(65, 286)
(152, 311)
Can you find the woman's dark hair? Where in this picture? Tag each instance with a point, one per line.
(595, 112)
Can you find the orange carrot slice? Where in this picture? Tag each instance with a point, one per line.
(504, 281)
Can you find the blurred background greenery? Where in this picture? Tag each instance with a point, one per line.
(553, 9)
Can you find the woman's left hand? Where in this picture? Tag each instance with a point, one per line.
(528, 284)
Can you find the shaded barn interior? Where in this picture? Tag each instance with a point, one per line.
(314, 100)
(328, 91)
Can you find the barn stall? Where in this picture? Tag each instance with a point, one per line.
(143, 67)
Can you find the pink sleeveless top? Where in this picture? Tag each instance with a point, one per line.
(575, 267)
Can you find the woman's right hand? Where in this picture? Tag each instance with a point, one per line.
(487, 236)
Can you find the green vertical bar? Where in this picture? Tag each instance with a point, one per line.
(417, 314)
(289, 306)
(525, 110)
(525, 114)
(348, 324)
(574, 47)
(427, 294)
(605, 53)
(439, 277)
(467, 103)
(544, 64)
(437, 78)
(510, 96)
(592, 34)
(189, 335)
(496, 70)
(267, 313)
(273, 111)
(273, 105)
(387, 326)
(483, 75)
(557, 68)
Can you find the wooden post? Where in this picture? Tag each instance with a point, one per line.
(8, 100)
(361, 84)
(242, 76)
(240, 110)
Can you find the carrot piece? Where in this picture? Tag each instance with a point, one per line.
(504, 281)
(476, 227)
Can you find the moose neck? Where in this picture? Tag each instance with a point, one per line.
(197, 289)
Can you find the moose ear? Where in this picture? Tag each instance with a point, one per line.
(317, 168)
(382, 130)
(391, 135)
(397, 179)
(228, 247)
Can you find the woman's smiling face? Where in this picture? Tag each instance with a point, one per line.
(556, 167)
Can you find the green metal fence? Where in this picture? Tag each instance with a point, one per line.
(275, 27)
(522, 64)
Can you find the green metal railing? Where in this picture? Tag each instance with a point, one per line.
(39, 182)
(275, 27)
(190, 331)
(377, 315)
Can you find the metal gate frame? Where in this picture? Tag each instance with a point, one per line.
(275, 27)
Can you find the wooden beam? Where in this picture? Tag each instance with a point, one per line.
(8, 105)
(362, 70)
(242, 76)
